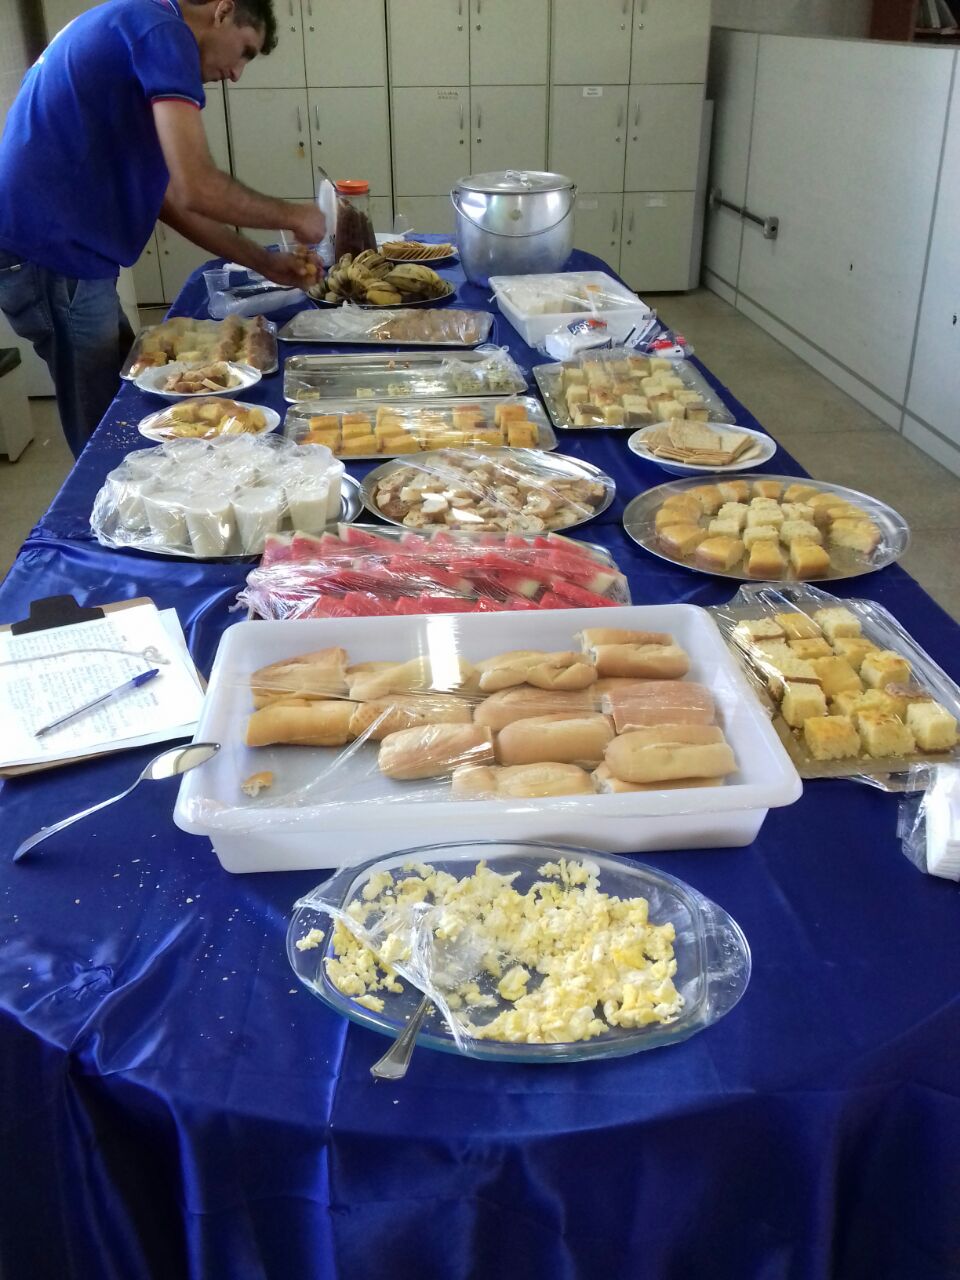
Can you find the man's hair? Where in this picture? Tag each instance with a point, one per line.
(259, 14)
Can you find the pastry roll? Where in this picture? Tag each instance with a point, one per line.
(313, 675)
(557, 738)
(634, 757)
(501, 709)
(418, 673)
(660, 702)
(607, 784)
(589, 639)
(644, 661)
(521, 782)
(301, 723)
(434, 750)
(383, 716)
(542, 670)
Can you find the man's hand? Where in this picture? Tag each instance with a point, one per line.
(310, 225)
(292, 269)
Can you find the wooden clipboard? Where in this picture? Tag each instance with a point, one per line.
(62, 611)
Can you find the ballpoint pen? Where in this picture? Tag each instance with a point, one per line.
(135, 683)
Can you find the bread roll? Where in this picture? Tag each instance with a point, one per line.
(677, 734)
(614, 635)
(563, 671)
(644, 661)
(418, 673)
(521, 782)
(501, 709)
(660, 702)
(560, 738)
(321, 674)
(633, 760)
(303, 724)
(406, 711)
(434, 750)
(607, 784)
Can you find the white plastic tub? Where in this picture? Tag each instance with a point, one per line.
(374, 816)
(536, 305)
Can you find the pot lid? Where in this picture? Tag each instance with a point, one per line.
(515, 182)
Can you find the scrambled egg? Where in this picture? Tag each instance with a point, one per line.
(561, 962)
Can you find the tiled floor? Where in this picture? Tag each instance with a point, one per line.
(824, 429)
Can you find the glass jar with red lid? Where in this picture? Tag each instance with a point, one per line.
(354, 226)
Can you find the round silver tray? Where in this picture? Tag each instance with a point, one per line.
(350, 508)
(640, 513)
(556, 465)
(391, 306)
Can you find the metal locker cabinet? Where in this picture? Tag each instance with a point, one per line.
(509, 129)
(663, 137)
(350, 129)
(509, 41)
(178, 257)
(271, 141)
(344, 42)
(147, 280)
(215, 124)
(282, 69)
(671, 41)
(428, 213)
(587, 134)
(429, 42)
(591, 41)
(431, 139)
(597, 219)
(656, 248)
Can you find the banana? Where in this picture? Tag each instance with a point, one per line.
(379, 296)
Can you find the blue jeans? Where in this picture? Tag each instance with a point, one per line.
(78, 328)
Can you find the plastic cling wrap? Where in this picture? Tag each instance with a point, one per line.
(372, 429)
(622, 388)
(362, 572)
(928, 823)
(414, 375)
(207, 419)
(852, 693)
(185, 339)
(213, 498)
(500, 490)
(423, 327)
(512, 943)
(564, 293)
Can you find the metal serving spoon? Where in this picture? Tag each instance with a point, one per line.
(168, 765)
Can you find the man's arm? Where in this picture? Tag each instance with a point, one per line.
(224, 242)
(197, 186)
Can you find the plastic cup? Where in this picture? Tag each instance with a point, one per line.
(307, 501)
(166, 517)
(210, 521)
(258, 513)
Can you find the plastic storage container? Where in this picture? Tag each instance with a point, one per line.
(368, 817)
(537, 304)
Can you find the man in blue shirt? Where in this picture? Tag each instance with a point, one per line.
(104, 137)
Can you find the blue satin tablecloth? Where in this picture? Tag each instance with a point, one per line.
(176, 1106)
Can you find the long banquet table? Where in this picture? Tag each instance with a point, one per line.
(177, 1106)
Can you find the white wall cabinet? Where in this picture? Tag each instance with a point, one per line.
(431, 139)
(344, 43)
(271, 141)
(671, 40)
(429, 42)
(427, 213)
(591, 41)
(656, 248)
(597, 224)
(587, 134)
(509, 128)
(663, 139)
(283, 68)
(509, 41)
(350, 129)
(147, 280)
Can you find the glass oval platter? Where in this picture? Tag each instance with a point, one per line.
(882, 533)
(712, 955)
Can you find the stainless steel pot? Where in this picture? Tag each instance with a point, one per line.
(517, 222)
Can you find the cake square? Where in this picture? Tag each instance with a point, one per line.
(721, 552)
(797, 626)
(858, 535)
(726, 525)
(681, 539)
(799, 492)
(767, 488)
(809, 560)
(934, 728)
(814, 647)
(765, 516)
(883, 734)
(792, 531)
(766, 560)
(836, 676)
(831, 737)
(758, 533)
(800, 702)
(854, 649)
(837, 622)
(884, 667)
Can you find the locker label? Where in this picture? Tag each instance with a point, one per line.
(448, 93)
(656, 202)
(593, 90)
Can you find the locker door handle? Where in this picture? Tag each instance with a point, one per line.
(461, 117)
(632, 217)
(291, 8)
(299, 119)
(309, 8)
(479, 119)
(613, 228)
(316, 116)
(620, 118)
(636, 117)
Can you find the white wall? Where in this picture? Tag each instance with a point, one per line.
(863, 280)
(795, 17)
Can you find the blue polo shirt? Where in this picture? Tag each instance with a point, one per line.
(82, 175)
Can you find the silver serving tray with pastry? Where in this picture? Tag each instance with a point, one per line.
(842, 535)
(176, 333)
(350, 325)
(390, 376)
(479, 501)
(898, 724)
(418, 424)
(551, 380)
